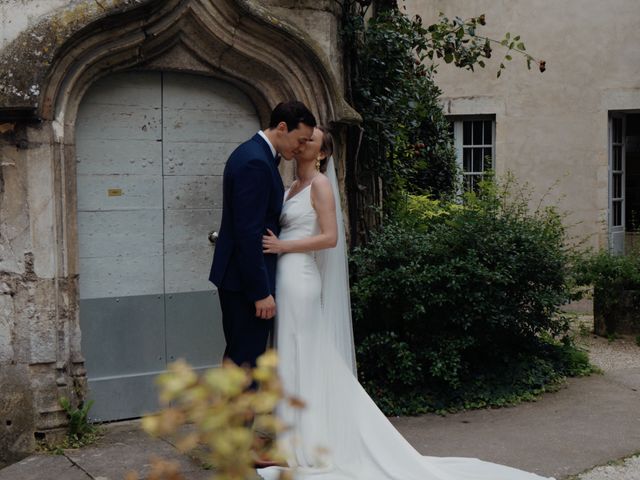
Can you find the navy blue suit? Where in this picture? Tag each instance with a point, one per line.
(252, 194)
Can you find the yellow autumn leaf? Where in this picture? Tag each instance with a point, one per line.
(269, 359)
(265, 402)
(188, 442)
(150, 424)
(228, 381)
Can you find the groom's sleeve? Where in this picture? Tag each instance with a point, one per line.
(250, 200)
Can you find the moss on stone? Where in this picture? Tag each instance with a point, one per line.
(25, 62)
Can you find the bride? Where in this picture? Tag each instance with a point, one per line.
(340, 434)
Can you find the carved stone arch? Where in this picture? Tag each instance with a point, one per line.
(236, 40)
(44, 74)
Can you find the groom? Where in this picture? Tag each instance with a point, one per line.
(252, 196)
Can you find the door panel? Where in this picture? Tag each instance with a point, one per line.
(187, 268)
(204, 120)
(190, 332)
(151, 149)
(123, 342)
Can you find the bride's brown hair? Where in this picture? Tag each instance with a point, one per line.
(326, 147)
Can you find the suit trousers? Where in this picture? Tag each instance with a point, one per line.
(246, 335)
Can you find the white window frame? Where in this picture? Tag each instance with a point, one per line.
(617, 228)
(458, 136)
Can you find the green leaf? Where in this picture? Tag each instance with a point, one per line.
(508, 57)
(521, 46)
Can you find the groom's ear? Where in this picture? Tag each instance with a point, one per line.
(282, 127)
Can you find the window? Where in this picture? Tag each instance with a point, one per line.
(617, 170)
(474, 141)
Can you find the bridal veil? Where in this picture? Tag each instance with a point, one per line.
(334, 274)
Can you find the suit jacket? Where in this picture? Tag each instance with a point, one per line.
(252, 195)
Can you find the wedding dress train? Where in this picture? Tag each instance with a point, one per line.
(340, 434)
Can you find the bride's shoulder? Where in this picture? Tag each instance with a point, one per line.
(320, 181)
(321, 188)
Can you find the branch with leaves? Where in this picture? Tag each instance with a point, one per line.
(456, 41)
(230, 421)
(404, 142)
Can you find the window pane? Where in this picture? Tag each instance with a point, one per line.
(617, 130)
(476, 183)
(466, 129)
(487, 132)
(477, 159)
(477, 133)
(466, 159)
(617, 213)
(488, 160)
(477, 152)
(471, 183)
(617, 158)
(617, 185)
(468, 182)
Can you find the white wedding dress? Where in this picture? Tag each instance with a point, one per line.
(340, 434)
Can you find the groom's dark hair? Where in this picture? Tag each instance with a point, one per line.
(292, 113)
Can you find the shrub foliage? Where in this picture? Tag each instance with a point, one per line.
(609, 274)
(459, 305)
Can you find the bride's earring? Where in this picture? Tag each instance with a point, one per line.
(318, 164)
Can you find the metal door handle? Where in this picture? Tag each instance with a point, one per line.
(213, 237)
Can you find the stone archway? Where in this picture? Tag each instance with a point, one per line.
(238, 41)
(225, 41)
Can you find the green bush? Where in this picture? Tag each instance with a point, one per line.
(604, 269)
(79, 424)
(616, 281)
(609, 274)
(468, 298)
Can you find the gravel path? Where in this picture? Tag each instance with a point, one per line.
(619, 354)
(611, 356)
(628, 469)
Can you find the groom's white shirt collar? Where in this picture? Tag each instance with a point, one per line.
(273, 150)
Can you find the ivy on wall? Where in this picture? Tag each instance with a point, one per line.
(404, 144)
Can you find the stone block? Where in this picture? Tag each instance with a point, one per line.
(16, 413)
(616, 312)
(14, 218)
(6, 327)
(41, 467)
(42, 210)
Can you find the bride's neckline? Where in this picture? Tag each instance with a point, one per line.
(297, 193)
(301, 190)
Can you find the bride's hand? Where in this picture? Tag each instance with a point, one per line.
(271, 243)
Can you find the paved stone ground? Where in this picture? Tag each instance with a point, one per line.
(124, 448)
(591, 422)
(613, 357)
(628, 469)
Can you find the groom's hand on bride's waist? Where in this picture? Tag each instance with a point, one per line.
(266, 308)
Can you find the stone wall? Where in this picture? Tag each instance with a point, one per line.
(320, 19)
(40, 359)
(551, 127)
